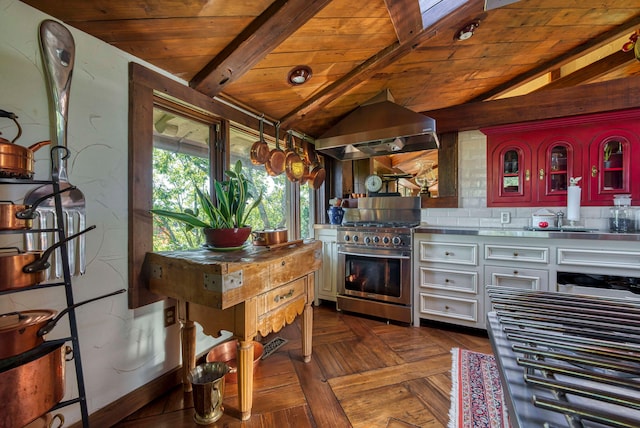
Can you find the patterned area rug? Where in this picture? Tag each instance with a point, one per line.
(476, 393)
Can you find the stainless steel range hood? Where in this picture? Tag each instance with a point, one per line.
(378, 127)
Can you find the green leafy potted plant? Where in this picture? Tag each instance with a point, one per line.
(224, 223)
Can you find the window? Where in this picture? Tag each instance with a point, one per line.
(181, 163)
(149, 95)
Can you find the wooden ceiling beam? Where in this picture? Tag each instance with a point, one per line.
(627, 27)
(592, 71)
(406, 18)
(279, 21)
(599, 97)
(440, 17)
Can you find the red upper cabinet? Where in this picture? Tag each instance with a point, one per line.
(611, 169)
(509, 173)
(599, 148)
(558, 159)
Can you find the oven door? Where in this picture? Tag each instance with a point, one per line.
(375, 273)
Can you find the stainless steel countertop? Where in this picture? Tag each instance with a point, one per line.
(523, 233)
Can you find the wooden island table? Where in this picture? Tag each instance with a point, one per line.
(248, 291)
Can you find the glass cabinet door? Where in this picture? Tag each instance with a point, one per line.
(511, 172)
(612, 165)
(558, 162)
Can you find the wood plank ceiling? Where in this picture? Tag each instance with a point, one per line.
(243, 50)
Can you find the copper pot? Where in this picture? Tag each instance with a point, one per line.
(275, 163)
(23, 331)
(316, 174)
(260, 149)
(26, 268)
(17, 161)
(12, 261)
(269, 237)
(294, 166)
(227, 353)
(19, 331)
(32, 383)
(19, 217)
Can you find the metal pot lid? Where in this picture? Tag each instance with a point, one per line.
(16, 320)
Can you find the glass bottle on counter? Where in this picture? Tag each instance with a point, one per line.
(621, 215)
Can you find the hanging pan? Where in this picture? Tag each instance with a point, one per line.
(317, 173)
(294, 166)
(260, 150)
(276, 162)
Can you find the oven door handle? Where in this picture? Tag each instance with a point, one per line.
(386, 256)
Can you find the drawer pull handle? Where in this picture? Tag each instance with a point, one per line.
(515, 254)
(446, 307)
(446, 280)
(515, 272)
(447, 253)
(282, 263)
(283, 296)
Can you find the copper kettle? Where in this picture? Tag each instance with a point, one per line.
(17, 161)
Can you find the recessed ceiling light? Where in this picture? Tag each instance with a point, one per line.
(299, 75)
(467, 31)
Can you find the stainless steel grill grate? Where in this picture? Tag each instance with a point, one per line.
(567, 360)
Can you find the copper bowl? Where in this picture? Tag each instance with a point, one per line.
(227, 352)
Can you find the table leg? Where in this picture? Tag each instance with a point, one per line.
(188, 351)
(307, 331)
(245, 377)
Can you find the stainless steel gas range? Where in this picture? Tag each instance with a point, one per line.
(567, 360)
(375, 257)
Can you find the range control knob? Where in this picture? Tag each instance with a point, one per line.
(386, 240)
(367, 240)
(396, 240)
(376, 239)
(355, 238)
(347, 238)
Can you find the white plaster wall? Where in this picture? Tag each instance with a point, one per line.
(121, 349)
(472, 194)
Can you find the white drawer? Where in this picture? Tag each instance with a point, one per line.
(447, 252)
(600, 258)
(449, 307)
(444, 279)
(526, 279)
(516, 253)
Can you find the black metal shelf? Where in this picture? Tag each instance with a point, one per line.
(66, 282)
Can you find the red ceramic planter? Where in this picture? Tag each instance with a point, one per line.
(225, 238)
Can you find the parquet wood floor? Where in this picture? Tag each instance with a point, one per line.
(363, 373)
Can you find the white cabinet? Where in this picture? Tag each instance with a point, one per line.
(452, 270)
(447, 280)
(326, 279)
(512, 264)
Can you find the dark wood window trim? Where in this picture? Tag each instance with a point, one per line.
(146, 89)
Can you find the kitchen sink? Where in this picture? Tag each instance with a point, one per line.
(560, 229)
